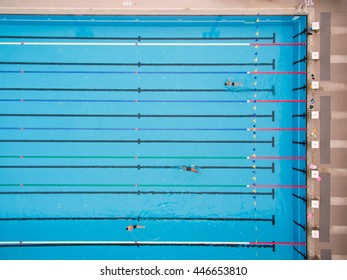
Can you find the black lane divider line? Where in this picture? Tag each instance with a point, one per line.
(138, 38)
(300, 253)
(139, 90)
(138, 64)
(135, 166)
(300, 142)
(138, 116)
(229, 219)
(300, 225)
(136, 244)
(303, 115)
(302, 198)
(139, 141)
(300, 33)
(300, 88)
(303, 171)
(135, 193)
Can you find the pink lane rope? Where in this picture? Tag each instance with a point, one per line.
(280, 158)
(278, 186)
(279, 128)
(278, 73)
(278, 101)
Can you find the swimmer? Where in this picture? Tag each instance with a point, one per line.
(229, 83)
(192, 168)
(131, 227)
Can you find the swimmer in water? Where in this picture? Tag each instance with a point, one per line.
(131, 227)
(229, 83)
(192, 168)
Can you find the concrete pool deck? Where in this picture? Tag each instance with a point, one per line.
(148, 7)
(331, 217)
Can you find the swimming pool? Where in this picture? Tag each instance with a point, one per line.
(99, 113)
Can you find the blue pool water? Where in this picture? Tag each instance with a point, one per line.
(98, 113)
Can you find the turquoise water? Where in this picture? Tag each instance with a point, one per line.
(99, 113)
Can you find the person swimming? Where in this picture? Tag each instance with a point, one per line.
(229, 83)
(131, 227)
(192, 168)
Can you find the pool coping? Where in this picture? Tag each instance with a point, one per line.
(148, 7)
(310, 249)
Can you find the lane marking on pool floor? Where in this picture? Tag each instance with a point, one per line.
(252, 157)
(113, 218)
(154, 72)
(153, 129)
(141, 90)
(137, 38)
(137, 64)
(139, 115)
(138, 192)
(138, 167)
(159, 185)
(258, 244)
(138, 44)
(153, 101)
(139, 141)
